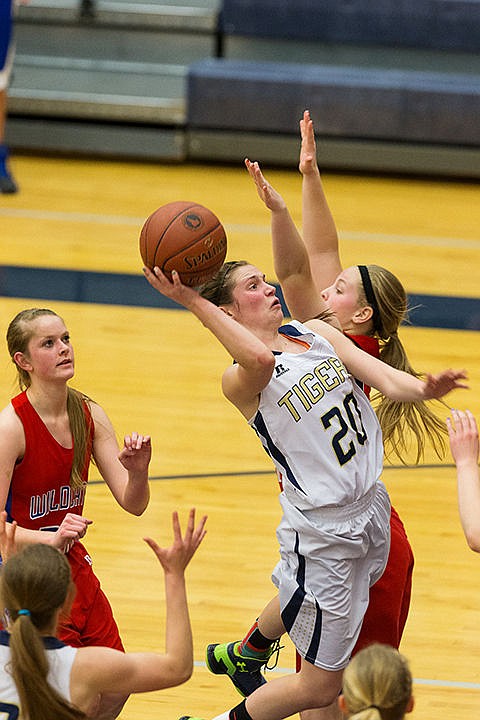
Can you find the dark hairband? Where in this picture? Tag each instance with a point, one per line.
(370, 295)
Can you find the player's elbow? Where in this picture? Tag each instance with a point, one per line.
(472, 536)
(294, 269)
(137, 504)
(137, 509)
(181, 672)
(470, 526)
(263, 364)
(474, 544)
(186, 674)
(265, 360)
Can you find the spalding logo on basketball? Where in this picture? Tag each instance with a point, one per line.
(193, 221)
(186, 237)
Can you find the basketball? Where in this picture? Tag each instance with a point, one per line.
(186, 237)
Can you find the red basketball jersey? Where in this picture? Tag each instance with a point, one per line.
(370, 345)
(40, 494)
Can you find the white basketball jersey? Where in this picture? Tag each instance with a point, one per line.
(60, 659)
(318, 426)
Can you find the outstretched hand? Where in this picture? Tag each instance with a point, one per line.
(272, 199)
(308, 151)
(436, 386)
(174, 559)
(174, 289)
(463, 436)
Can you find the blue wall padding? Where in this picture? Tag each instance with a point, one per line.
(343, 101)
(434, 24)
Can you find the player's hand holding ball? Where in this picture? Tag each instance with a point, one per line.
(173, 289)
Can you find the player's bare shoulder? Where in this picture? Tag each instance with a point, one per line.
(12, 434)
(9, 420)
(321, 327)
(100, 418)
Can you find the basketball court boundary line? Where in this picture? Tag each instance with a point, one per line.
(463, 684)
(250, 473)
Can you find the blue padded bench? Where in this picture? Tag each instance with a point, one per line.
(368, 103)
(427, 24)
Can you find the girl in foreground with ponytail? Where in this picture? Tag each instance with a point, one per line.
(42, 678)
(377, 685)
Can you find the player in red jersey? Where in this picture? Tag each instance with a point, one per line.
(49, 433)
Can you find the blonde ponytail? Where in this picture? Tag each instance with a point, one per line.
(405, 426)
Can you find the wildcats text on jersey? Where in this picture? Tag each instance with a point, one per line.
(50, 501)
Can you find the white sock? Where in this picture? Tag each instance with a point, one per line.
(223, 716)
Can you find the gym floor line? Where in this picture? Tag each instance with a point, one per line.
(250, 473)
(355, 236)
(416, 681)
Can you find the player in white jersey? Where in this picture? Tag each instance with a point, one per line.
(66, 683)
(313, 408)
(60, 658)
(334, 532)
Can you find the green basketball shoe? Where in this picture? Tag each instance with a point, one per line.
(244, 672)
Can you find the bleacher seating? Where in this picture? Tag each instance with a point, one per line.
(370, 103)
(107, 77)
(433, 24)
(391, 85)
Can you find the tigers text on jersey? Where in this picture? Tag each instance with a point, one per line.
(318, 427)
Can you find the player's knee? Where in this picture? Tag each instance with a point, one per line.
(320, 691)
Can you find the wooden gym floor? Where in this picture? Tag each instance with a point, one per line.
(157, 370)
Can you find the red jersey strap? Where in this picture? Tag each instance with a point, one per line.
(280, 481)
(367, 343)
(370, 345)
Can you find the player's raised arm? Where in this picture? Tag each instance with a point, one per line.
(318, 226)
(290, 257)
(464, 445)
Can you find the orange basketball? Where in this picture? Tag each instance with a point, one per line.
(186, 237)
